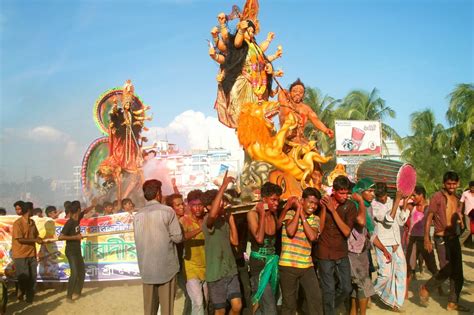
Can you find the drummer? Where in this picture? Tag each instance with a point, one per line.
(390, 285)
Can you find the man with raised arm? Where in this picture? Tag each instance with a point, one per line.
(390, 285)
(293, 101)
(220, 235)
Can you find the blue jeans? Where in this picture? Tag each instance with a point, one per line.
(333, 296)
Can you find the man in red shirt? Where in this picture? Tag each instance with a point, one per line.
(338, 216)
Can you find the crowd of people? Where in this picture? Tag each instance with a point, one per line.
(312, 251)
(95, 210)
(309, 253)
(25, 236)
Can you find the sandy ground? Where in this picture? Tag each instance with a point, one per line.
(126, 298)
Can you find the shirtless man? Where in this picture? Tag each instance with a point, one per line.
(444, 212)
(263, 228)
(303, 112)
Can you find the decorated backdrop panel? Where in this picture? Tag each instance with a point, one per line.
(109, 255)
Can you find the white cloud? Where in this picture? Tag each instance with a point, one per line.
(45, 134)
(193, 130)
(71, 149)
(190, 130)
(48, 134)
(45, 150)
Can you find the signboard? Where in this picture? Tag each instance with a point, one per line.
(109, 255)
(358, 137)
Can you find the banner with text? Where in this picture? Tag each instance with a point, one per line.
(358, 137)
(109, 254)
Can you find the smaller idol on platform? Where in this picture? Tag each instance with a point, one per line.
(125, 154)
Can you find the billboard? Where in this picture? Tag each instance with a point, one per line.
(358, 137)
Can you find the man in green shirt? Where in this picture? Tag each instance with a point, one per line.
(220, 234)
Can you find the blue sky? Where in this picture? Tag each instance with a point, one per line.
(57, 57)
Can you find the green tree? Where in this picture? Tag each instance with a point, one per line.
(460, 116)
(324, 106)
(461, 109)
(434, 149)
(424, 149)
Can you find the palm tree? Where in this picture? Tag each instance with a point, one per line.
(426, 149)
(361, 105)
(461, 109)
(460, 116)
(324, 107)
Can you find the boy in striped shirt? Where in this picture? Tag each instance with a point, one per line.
(300, 229)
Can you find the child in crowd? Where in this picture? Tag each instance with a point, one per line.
(175, 201)
(194, 254)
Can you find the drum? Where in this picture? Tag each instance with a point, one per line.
(395, 174)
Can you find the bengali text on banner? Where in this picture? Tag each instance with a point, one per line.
(109, 252)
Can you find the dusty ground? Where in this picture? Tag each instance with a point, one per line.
(126, 298)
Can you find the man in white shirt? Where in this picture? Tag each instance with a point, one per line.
(157, 231)
(391, 280)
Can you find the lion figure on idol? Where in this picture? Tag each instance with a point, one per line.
(257, 135)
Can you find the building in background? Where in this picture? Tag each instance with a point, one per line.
(391, 151)
(200, 169)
